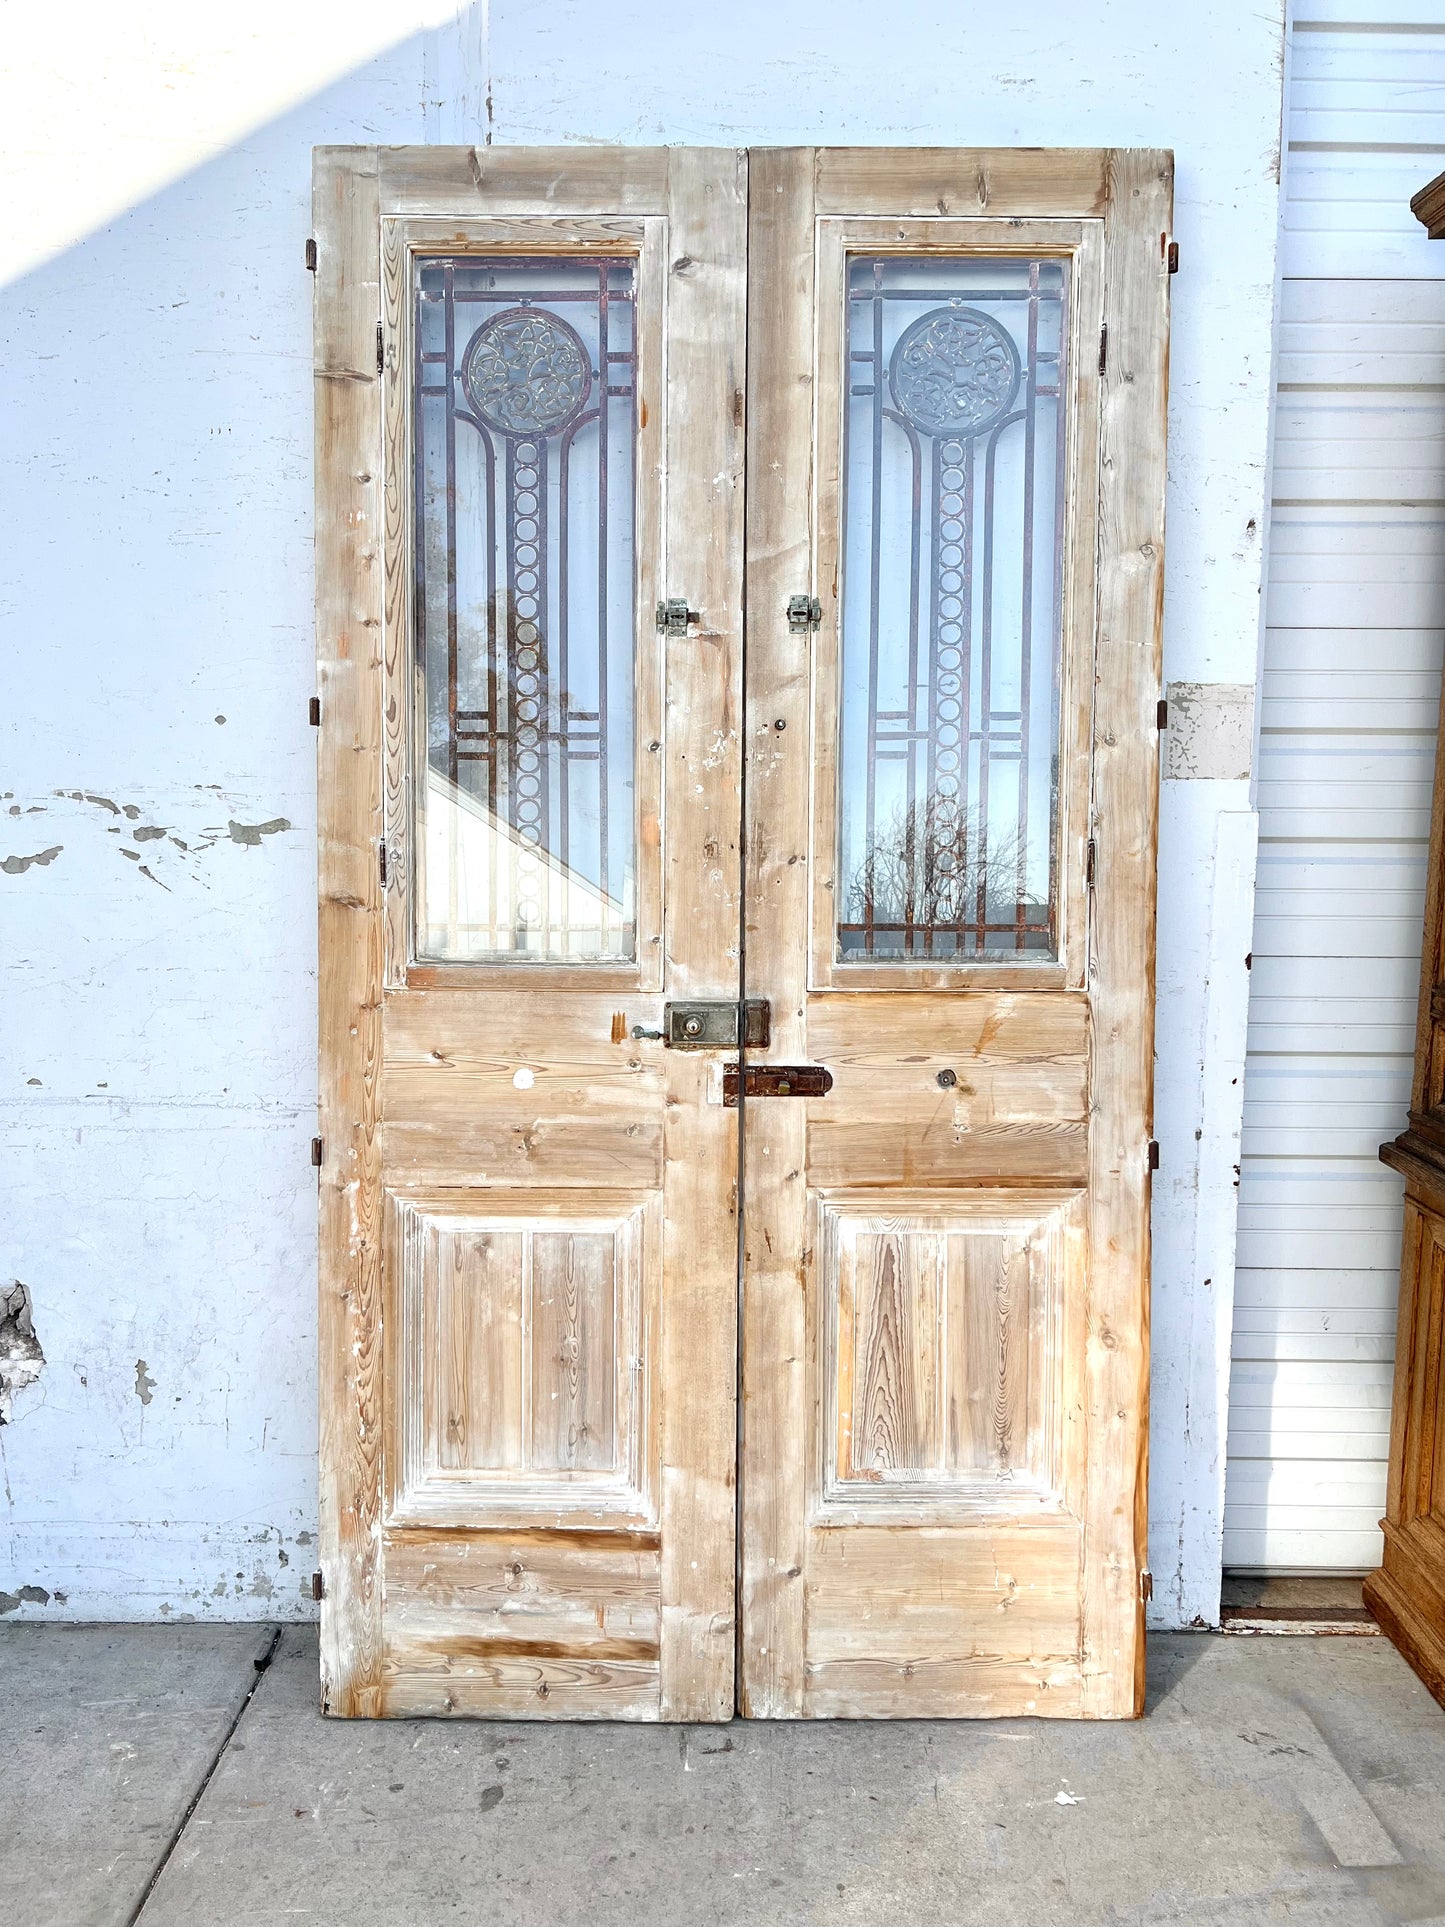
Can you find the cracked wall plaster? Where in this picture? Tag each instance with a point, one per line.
(21, 1358)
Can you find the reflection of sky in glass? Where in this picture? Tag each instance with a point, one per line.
(953, 527)
(525, 588)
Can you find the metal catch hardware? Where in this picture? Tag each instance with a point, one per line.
(713, 1025)
(673, 616)
(805, 612)
(776, 1080)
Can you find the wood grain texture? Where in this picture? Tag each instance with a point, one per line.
(477, 1348)
(776, 1410)
(453, 1112)
(707, 242)
(899, 1593)
(1113, 1376)
(1018, 1106)
(970, 1366)
(452, 183)
(1428, 207)
(348, 661)
(590, 1596)
(1407, 1592)
(574, 1349)
(1002, 182)
(938, 1346)
(521, 1361)
(501, 1152)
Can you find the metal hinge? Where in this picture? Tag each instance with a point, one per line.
(1173, 257)
(316, 1152)
(1153, 1154)
(380, 350)
(805, 612)
(673, 616)
(318, 1586)
(313, 710)
(1103, 347)
(1146, 1585)
(381, 860)
(1161, 715)
(1091, 858)
(311, 255)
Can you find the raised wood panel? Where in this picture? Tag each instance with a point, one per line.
(522, 1351)
(472, 1339)
(574, 1364)
(938, 1353)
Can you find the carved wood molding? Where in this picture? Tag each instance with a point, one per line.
(1428, 207)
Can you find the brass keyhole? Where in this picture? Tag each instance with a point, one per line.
(692, 1027)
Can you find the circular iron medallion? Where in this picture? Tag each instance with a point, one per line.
(526, 372)
(954, 372)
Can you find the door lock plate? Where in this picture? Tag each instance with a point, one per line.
(713, 1024)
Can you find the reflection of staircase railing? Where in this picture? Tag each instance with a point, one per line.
(486, 890)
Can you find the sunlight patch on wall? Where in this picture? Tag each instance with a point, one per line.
(158, 90)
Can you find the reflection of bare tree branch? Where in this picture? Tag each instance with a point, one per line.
(930, 866)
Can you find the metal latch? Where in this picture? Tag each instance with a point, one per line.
(713, 1025)
(805, 612)
(673, 616)
(776, 1080)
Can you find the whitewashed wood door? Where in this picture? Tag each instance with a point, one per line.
(529, 839)
(957, 385)
(1351, 684)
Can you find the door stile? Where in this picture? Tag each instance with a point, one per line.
(1133, 428)
(349, 821)
(778, 705)
(706, 375)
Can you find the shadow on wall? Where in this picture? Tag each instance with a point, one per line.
(157, 881)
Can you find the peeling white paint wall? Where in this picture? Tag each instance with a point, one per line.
(157, 1081)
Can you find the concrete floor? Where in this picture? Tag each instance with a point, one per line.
(1274, 1779)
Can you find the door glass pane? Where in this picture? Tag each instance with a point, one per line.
(954, 490)
(524, 439)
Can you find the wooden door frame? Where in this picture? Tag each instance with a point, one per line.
(1128, 194)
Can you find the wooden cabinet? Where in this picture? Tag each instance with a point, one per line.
(1407, 1594)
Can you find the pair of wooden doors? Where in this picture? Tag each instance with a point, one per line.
(738, 629)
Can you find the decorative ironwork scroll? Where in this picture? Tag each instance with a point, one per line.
(524, 390)
(954, 491)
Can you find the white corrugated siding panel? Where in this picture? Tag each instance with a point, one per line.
(1351, 684)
